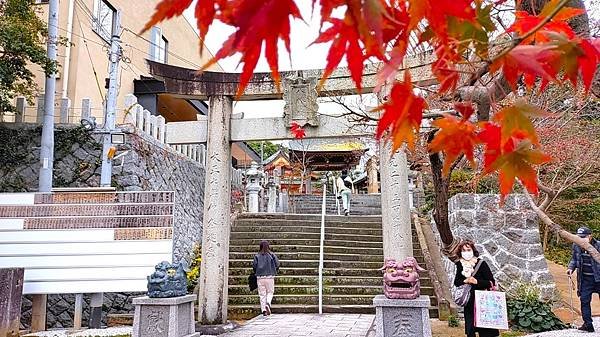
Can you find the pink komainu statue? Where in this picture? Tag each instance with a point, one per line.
(401, 279)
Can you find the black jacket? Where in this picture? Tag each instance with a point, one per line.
(484, 277)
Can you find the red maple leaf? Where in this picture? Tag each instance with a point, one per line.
(345, 39)
(516, 162)
(455, 137)
(257, 23)
(402, 114)
(363, 32)
(515, 119)
(490, 137)
(297, 130)
(523, 60)
(573, 57)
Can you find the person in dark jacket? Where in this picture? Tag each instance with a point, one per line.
(481, 280)
(588, 276)
(265, 267)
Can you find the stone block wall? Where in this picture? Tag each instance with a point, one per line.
(149, 165)
(507, 238)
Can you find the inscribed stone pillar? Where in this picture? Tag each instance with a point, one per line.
(212, 298)
(395, 209)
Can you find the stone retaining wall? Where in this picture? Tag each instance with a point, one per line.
(149, 165)
(507, 238)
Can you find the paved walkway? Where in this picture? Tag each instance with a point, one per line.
(300, 325)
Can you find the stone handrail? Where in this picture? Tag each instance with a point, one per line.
(439, 280)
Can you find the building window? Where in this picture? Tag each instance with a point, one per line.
(104, 14)
(159, 47)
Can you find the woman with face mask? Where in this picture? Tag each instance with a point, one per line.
(480, 279)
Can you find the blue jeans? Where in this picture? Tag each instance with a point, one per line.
(588, 287)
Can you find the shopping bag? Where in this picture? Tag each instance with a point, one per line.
(490, 310)
(252, 282)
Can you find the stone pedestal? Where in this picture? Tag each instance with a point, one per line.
(396, 317)
(164, 317)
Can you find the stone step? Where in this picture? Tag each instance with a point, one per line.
(305, 299)
(265, 235)
(309, 217)
(282, 289)
(306, 248)
(311, 256)
(301, 272)
(334, 264)
(369, 279)
(245, 312)
(305, 242)
(313, 289)
(266, 223)
(307, 229)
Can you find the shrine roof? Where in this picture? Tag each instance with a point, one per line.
(327, 145)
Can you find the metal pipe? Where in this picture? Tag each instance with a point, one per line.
(322, 241)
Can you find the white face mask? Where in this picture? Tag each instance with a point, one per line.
(467, 255)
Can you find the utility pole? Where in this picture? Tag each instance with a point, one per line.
(111, 100)
(47, 144)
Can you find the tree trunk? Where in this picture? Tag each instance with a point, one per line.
(556, 228)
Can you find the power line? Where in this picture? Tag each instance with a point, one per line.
(91, 61)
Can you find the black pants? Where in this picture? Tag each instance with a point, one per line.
(470, 328)
(587, 288)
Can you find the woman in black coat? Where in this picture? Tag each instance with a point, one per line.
(481, 280)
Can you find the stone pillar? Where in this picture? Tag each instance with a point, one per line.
(212, 297)
(272, 195)
(253, 176)
(40, 108)
(308, 182)
(86, 108)
(395, 209)
(65, 106)
(96, 310)
(372, 175)
(21, 107)
(11, 292)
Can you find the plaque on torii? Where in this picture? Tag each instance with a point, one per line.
(300, 96)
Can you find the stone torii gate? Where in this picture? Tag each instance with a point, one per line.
(219, 129)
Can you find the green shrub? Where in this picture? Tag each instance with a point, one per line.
(194, 273)
(453, 321)
(526, 312)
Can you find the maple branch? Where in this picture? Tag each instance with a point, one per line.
(517, 40)
(557, 229)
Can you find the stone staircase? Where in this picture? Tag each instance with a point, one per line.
(360, 204)
(353, 254)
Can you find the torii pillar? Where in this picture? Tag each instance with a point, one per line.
(395, 205)
(214, 268)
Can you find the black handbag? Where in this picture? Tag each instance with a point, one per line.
(252, 282)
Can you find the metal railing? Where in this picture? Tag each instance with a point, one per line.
(322, 241)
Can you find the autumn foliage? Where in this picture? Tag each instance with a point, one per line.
(543, 47)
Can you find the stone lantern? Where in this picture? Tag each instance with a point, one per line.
(253, 178)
